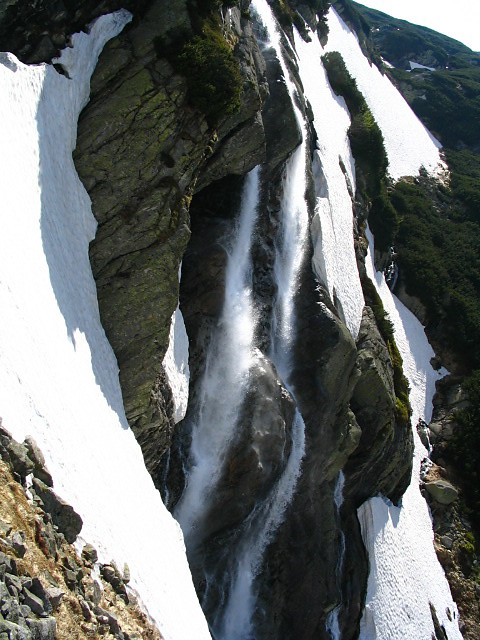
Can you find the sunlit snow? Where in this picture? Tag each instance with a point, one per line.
(405, 574)
(58, 374)
(176, 366)
(408, 144)
(416, 65)
(334, 260)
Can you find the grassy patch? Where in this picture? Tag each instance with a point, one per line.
(213, 76)
(207, 61)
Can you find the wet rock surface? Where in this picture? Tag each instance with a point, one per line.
(382, 461)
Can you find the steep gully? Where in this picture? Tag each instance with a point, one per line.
(232, 548)
(276, 546)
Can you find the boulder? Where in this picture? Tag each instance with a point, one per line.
(36, 456)
(442, 491)
(63, 515)
(89, 553)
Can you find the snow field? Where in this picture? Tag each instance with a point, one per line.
(409, 145)
(334, 261)
(58, 374)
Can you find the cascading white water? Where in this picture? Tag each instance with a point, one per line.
(228, 363)
(289, 253)
(261, 526)
(332, 621)
(405, 575)
(334, 261)
(294, 219)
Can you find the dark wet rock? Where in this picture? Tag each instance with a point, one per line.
(15, 454)
(18, 543)
(111, 574)
(241, 137)
(42, 629)
(278, 115)
(86, 611)
(36, 456)
(106, 617)
(9, 563)
(40, 592)
(34, 602)
(54, 595)
(14, 581)
(36, 31)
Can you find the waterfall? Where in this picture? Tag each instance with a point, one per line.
(226, 372)
(289, 254)
(229, 360)
(332, 621)
(261, 526)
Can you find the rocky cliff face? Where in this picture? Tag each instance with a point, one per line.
(165, 183)
(142, 151)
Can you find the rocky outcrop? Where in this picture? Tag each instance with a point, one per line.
(456, 539)
(37, 31)
(382, 461)
(47, 591)
(139, 116)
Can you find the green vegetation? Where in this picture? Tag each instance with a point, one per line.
(366, 141)
(465, 180)
(439, 257)
(464, 447)
(213, 76)
(446, 100)
(206, 60)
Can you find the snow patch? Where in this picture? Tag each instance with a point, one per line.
(58, 374)
(334, 261)
(176, 366)
(408, 144)
(405, 574)
(416, 65)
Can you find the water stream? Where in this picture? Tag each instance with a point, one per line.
(225, 381)
(228, 363)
